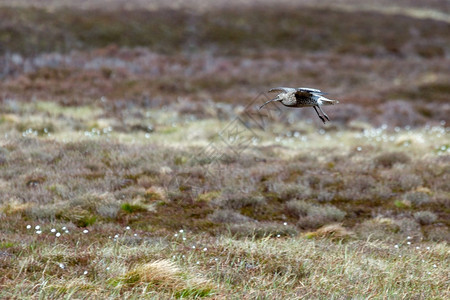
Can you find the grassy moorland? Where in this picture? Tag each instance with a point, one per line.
(134, 162)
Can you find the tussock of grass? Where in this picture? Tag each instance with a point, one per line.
(425, 217)
(228, 216)
(164, 275)
(332, 231)
(311, 215)
(262, 229)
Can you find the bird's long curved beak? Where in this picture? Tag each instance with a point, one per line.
(274, 99)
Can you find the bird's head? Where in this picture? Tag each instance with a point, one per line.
(277, 98)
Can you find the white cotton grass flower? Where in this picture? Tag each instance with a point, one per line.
(128, 228)
(205, 249)
(175, 235)
(285, 223)
(135, 234)
(85, 231)
(58, 234)
(53, 230)
(409, 243)
(108, 268)
(396, 247)
(85, 272)
(28, 226)
(37, 227)
(64, 228)
(116, 236)
(193, 247)
(66, 231)
(61, 265)
(181, 230)
(38, 231)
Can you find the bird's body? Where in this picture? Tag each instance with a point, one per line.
(302, 97)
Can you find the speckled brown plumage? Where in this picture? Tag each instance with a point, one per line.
(302, 97)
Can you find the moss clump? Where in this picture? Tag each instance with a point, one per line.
(133, 207)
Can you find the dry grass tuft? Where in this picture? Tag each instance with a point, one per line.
(164, 275)
(332, 231)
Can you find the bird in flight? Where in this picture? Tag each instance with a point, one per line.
(302, 97)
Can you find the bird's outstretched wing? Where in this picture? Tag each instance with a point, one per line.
(310, 90)
(282, 89)
(303, 94)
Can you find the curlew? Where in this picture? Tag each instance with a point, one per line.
(302, 97)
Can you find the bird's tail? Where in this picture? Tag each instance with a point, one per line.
(274, 99)
(326, 101)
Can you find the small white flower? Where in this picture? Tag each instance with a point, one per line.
(409, 243)
(396, 246)
(358, 148)
(135, 234)
(53, 230)
(37, 227)
(85, 231)
(417, 247)
(408, 237)
(67, 231)
(205, 249)
(278, 235)
(428, 248)
(428, 273)
(28, 226)
(181, 230)
(193, 247)
(184, 239)
(434, 266)
(216, 259)
(107, 268)
(58, 234)
(64, 228)
(175, 235)
(85, 272)
(61, 265)
(198, 262)
(116, 236)
(399, 256)
(38, 231)
(127, 228)
(285, 223)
